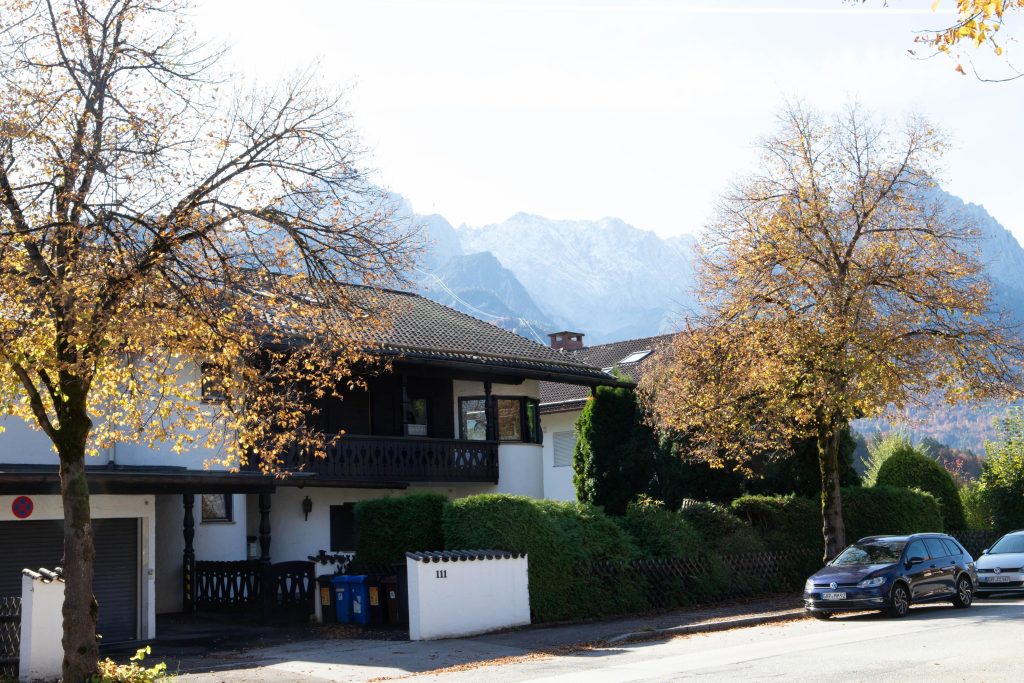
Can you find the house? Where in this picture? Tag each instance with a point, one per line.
(561, 402)
(457, 413)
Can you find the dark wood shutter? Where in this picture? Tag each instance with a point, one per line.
(343, 535)
(40, 543)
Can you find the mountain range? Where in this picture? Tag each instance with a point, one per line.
(613, 281)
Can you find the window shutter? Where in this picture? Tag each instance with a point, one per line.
(564, 444)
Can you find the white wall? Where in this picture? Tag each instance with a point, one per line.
(142, 508)
(448, 599)
(41, 629)
(557, 480)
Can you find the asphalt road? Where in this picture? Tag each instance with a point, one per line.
(933, 643)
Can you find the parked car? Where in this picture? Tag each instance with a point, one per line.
(888, 573)
(1001, 567)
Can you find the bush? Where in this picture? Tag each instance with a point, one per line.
(782, 521)
(659, 532)
(977, 511)
(911, 468)
(719, 529)
(561, 540)
(1002, 474)
(874, 510)
(387, 528)
(109, 671)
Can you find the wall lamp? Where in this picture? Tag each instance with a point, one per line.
(307, 507)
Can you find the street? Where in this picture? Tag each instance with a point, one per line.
(932, 643)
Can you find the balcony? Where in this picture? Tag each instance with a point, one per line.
(380, 459)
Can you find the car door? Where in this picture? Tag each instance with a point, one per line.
(918, 574)
(942, 566)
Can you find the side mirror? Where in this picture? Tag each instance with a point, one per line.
(985, 551)
(914, 560)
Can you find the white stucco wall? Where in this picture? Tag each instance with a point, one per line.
(41, 629)
(557, 480)
(448, 599)
(142, 508)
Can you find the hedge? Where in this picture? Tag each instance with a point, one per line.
(878, 509)
(561, 539)
(387, 528)
(720, 530)
(659, 532)
(791, 521)
(910, 469)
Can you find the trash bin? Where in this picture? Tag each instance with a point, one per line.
(342, 599)
(389, 587)
(359, 594)
(328, 609)
(375, 598)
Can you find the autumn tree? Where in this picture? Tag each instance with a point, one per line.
(154, 218)
(836, 285)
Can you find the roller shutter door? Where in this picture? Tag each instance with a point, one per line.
(39, 543)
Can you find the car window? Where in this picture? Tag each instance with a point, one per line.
(952, 546)
(917, 549)
(881, 552)
(935, 547)
(1011, 543)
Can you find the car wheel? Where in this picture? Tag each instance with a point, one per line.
(899, 601)
(964, 593)
(821, 615)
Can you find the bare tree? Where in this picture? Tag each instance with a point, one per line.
(154, 218)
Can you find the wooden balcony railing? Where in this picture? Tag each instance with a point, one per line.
(398, 459)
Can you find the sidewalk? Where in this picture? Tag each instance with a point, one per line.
(363, 660)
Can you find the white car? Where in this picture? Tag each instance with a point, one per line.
(1001, 567)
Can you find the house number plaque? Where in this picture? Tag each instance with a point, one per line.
(442, 574)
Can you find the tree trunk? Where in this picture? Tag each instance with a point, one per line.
(833, 529)
(80, 607)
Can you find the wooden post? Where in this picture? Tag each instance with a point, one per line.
(491, 415)
(264, 528)
(188, 567)
(267, 588)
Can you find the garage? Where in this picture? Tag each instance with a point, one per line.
(39, 543)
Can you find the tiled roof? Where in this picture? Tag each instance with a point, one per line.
(557, 397)
(463, 555)
(425, 329)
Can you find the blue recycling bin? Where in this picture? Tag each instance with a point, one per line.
(359, 590)
(342, 599)
(352, 595)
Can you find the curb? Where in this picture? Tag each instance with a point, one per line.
(709, 626)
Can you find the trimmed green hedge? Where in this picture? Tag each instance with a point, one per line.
(720, 530)
(387, 528)
(875, 510)
(782, 521)
(659, 532)
(908, 469)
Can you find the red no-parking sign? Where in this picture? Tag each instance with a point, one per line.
(22, 507)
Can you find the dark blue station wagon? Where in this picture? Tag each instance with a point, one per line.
(888, 573)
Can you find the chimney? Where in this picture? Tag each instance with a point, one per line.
(566, 341)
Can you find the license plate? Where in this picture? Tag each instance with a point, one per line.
(833, 596)
(997, 579)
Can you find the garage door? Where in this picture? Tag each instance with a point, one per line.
(39, 543)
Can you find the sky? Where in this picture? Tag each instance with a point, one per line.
(643, 110)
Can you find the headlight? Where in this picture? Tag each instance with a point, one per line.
(871, 583)
(809, 585)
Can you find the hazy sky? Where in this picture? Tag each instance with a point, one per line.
(638, 109)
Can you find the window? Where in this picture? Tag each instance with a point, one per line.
(517, 419)
(212, 383)
(935, 547)
(416, 421)
(343, 527)
(951, 547)
(636, 356)
(216, 507)
(916, 549)
(510, 423)
(564, 444)
(473, 419)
